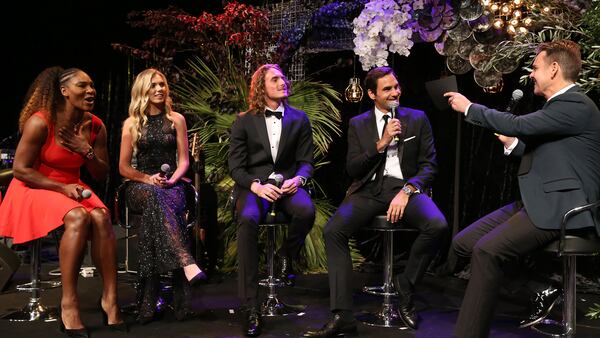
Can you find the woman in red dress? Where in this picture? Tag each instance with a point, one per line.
(59, 136)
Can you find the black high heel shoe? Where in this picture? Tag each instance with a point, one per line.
(120, 327)
(74, 333)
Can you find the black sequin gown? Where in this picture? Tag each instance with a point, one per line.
(163, 242)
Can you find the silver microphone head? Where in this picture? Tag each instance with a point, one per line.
(393, 104)
(517, 94)
(86, 193)
(278, 179)
(165, 168)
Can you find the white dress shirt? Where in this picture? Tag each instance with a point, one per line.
(392, 163)
(274, 130)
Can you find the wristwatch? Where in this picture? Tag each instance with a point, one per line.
(90, 154)
(408, 191)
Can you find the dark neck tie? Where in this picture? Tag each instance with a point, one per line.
(385, 120)
(277, 114)
(380, 170)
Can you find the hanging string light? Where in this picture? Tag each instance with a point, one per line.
(513, 16)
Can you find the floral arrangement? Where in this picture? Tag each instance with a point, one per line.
(382, 27)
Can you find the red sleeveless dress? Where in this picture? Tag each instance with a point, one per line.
(27, 213)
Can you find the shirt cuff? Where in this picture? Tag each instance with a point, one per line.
(508, 151)
(467, 109)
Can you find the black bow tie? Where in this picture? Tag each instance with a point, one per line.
(277, 114)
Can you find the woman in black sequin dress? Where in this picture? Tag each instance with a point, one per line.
(155, 135)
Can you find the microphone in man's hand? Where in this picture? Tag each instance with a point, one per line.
(517, 95)
(278, 178)
(392, 105)
(164, 170)
(86, 193)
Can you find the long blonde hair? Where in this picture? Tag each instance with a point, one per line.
(139, 102)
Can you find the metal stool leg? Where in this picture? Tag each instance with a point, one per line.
(388, 316)
(388, 261)
(35, 310)
(272, 306)
(566, 327)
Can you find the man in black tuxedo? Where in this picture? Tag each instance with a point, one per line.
(270, 138)
(560, 170)
(388, 178)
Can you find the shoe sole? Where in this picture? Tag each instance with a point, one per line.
(546, 313)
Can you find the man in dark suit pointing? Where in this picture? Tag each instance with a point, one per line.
(388, 178)
(560, 170)
(270, 139)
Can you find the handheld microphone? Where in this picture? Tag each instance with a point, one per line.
(517, 95)
(278, 180)
(392, 105)
(164, 170)
(86, 193)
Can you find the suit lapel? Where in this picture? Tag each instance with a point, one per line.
(403, 117)
(370, 125)
(261, 130)
(286, 125)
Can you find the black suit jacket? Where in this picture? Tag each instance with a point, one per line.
(560, 145)
(249, 149)
(416, 150)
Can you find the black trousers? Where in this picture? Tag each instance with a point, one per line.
(250, 211)
(495, 242)
(358, 210)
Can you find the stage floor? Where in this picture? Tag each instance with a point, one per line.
(437, 301)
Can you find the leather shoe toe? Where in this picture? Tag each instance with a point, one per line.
(336, 327)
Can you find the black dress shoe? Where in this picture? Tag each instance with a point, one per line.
(406, 307)
(286, 273)
(252, 325)
(336, 327)
(543, 302)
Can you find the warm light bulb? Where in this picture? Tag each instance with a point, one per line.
(528, 21)
(511, 29)
(546, 9)
(523, 30)
(505, 9)
(354, 92)
(485, 2)
(494, 7)
(517, 14)
(517, 2)
(514, 22)
(498, 23)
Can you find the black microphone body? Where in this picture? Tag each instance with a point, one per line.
(516, 96)
(278, 178)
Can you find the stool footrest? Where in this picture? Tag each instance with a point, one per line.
(553, 328)
(41, 286)
(276, 282)
(33, 311)
(273, 307)
(379, 291)
(383, 318)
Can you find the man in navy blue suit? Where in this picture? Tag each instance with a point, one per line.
(560, 169)
(391, 160)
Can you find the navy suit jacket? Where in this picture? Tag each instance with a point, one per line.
(560, 149)
(416, 150)
(249, 149)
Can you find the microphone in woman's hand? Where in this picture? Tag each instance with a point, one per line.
(164, 170)
(86, 193)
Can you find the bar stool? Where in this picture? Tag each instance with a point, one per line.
(388, 315)
(569, 247)
(35, 310)
(272, 306)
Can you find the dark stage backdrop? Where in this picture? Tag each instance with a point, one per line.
(77, 34)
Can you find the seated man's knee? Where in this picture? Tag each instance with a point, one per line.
(460, 245)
